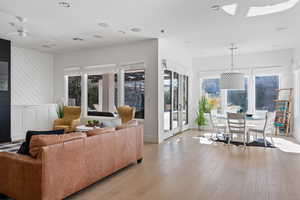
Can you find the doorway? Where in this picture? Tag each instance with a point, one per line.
(175, 103)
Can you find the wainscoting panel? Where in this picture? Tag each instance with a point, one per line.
(31, 117)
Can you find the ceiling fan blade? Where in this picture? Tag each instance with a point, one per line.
(18, 18)
(13, 34)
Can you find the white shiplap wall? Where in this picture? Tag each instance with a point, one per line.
(31, 77)
(31, 91)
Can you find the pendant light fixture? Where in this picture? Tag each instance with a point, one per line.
(232, 80)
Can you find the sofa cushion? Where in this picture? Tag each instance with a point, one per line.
(39, 141)
(24, 149)
(129, 124)
(99, 131)
(62, 127)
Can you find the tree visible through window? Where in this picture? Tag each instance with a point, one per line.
(102, 91)
(134, 94)
(238, 98)
(211, 89)
(95, 92)
(74, 90)
(265, 87)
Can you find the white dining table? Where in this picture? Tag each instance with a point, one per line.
(251, 122)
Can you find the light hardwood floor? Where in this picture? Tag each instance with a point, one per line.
(184, 169)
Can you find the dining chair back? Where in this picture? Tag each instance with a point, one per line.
(269, 127)
(236, 125)
(269, 122)
(216, 125)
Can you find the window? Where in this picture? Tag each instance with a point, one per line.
(101, 93)
(74, 90)
(211, 89)
(185, 100)
(175, 99)
(265, 87)
(237, 100)
(4, 74)
(134, 91)
(116, 90)
(167, 100)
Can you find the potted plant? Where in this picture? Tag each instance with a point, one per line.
(204, 107)
(60, 110)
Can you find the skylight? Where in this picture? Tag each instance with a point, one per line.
(230, 9)
(270, 9)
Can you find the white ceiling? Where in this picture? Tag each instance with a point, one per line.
(191, 23)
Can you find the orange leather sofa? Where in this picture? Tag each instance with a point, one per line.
(65, 168)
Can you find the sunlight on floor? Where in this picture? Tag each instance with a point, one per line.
(204, 140)
(285, 145)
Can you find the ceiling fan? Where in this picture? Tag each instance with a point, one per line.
(20, 30)
(18, 24)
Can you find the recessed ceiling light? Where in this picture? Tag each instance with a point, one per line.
(136, 30)
(64, 4)
(123, 32)
(103, 24)
(215, 7)
(275, 45)
(230, 9)
(98, 36)
(281, 28)
(48, 45)
(77, 39)
(270, 9)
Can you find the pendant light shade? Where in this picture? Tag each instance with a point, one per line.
(232, 80)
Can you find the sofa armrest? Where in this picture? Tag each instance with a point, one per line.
(74, 123)
(20, 176)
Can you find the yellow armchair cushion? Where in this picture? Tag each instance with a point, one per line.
(126, 113)
(70, 120)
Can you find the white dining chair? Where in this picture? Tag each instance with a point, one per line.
(236, 126)
(216, 126)
(267, 128)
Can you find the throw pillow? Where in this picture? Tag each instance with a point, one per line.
(39, 141)
(24, 149)
(99, 131)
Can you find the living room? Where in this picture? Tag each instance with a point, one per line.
(120, 100)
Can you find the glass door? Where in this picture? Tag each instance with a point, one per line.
(167, 100)
(185, 100)
(175, 103)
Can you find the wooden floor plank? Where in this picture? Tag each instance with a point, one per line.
(182, 168)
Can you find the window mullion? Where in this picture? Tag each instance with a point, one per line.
(251, 94)
(84, 95)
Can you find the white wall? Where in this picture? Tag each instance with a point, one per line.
(146, 51)
(31, 77)
(276, 62)
(178, 60)
(296, 68)
(31, 91)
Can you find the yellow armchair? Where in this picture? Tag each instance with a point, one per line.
(70, 120)
(126, 113)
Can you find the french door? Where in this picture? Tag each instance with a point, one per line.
(175, 103)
